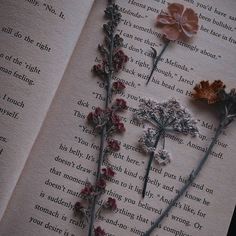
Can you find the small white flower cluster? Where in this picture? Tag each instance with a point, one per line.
(168, 115)
(147, 140)
(162, 157)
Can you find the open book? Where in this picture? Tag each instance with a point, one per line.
(47, 151)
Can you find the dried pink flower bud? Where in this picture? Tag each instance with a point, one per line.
(87, 191)
(113, 145)
(111, 204)
(120, 127)
(98, 111)
(120, 104)
(119, 60)
(99, 231)
(79, 209)
(101, 184)
(108, 172)
(115, 118)
(118, 86)
(98, 69)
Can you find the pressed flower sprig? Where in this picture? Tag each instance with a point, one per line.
(176, 24)
(162, 118)
(225, 104)
(105, 121)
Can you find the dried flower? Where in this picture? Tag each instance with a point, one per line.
(178, 22)
(118, 86)
(88, 190)
(79, 209)
(118, 41)
(120, 104)
(162, 157)
(99, 231)
(163, 117)
(101, 184)
(108, 172)
(99, 117)
(119, 60)
(208, 91)
(169, 115)
(146, 141)
(226, 106)
(113, 145)
(110, 204)
(98, 69)
(105, 120)
(114, 118)
(120, 128)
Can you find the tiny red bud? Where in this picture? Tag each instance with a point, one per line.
(120, 127)
(120, 104)
(113, 145)
(118, 86)
(99, 231)
(108, 172)
(111, 204)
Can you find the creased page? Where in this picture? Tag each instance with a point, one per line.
(65, 153)
(36, 41)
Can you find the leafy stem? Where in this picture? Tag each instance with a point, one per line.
(156, 59)
(192, 176)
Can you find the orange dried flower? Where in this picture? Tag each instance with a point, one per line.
(178, 22)
(208, 91)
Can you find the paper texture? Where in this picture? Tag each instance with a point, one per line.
(37, 39)
(64, 155)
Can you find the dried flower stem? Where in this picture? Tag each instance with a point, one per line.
(104, 128)
(156, 59)
(149, 164)
(192, 176)
(106, 121)
(98, 174)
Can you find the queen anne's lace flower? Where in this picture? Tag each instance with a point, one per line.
(169, 116)
(162, 118)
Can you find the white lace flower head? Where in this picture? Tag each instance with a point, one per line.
(168, 115)
(147, 140)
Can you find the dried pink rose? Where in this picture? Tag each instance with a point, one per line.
(178, 22)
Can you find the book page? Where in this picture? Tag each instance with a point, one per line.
(65, 153)
(36, 41)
